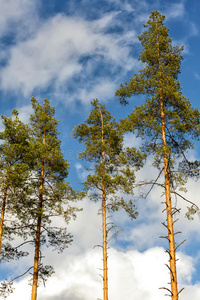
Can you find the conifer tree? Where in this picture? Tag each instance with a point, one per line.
(13, 176)
(50, 193)
(166, 121)
(112, 169)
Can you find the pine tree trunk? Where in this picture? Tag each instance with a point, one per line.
(172, 254)
(37, 240)
(3, 213)
(105, 256)
(4, 207)
(38, 233)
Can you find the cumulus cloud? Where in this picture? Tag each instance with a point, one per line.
(134, 274)
(57, 51)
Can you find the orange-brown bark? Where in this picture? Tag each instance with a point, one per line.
(172, 254)
(105, 256)
(38, 234)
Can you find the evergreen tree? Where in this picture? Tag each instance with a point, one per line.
(13, 176)
(166, 121)
(112, 169)
(50, 193)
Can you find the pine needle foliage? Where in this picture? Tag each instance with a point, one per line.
(112, 168)
(48, 208)
(13, 177)
(166, 121)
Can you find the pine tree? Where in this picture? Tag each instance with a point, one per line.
(50, 193)
(112, 169)
(166, 120)
(13, 176)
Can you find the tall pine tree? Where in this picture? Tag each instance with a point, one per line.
(50, 193)
(166, 121)
(112, 169)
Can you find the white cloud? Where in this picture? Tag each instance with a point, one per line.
(24, 113)
(130, 140)
(15, 16)
(134, 274)
(52, 56)
(175, 10)
(103, 89)
(81, 172)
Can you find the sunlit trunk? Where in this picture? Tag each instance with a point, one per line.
(104, 223)
(172, 249)
(172, 254)
(38, 233)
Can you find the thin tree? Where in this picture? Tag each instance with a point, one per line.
(112, 169)
(51, 194)
(166, 119)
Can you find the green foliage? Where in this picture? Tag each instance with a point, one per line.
(102, 135)
(15, 140)
(10, 253)
(13, 177)
(45, 154)
(158, 80)
(6, 288)
(39, 163)
(191, 212)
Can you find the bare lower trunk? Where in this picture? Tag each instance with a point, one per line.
(36, 261)
(38, 233)
(171, 251)
(37, 244)
(3, 213)
(105, 256)
(4, 207)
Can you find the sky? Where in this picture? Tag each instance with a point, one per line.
(72, 52)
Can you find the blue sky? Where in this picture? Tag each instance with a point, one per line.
(72, 52)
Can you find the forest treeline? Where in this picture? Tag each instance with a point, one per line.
(33, 173)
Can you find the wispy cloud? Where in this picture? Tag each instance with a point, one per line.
(18, 17)
(197, 76)
(176, 10)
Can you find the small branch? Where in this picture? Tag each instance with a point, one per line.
(177, 232)
(180, 244)
(175, 221)
(164, 237)
(170, 271)
(182, 171)
(97, 246)
(154, 183)
(22, 274)
(164, 225)
(168, 253)
(185, 199)
(164, 288)
(180, 290)
(23, 244)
